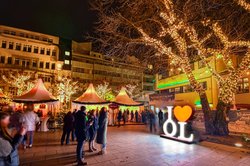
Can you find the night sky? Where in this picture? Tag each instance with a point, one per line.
(70, 19)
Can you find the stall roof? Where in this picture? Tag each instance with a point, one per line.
(123, 99)
(38, 94)
(90, 97)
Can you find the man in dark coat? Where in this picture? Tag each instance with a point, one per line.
(68, 124)
(73, 134)
(136, 116)
(160, 116)
(81, 128)
(132, 116)
(102, 130)
(119, 118)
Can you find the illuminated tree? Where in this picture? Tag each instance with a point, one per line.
(5, 98)
(65, 88)
(133, 90)
(20, 81)
(104, 91)
(163, 31)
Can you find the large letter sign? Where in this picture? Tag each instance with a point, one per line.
(182, 115)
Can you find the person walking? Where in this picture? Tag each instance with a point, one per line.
(15, 120)
(73, 134)
(127, 118)
(30, 121)
(92, 129)
(102, 130)
(124, 116)
(152, 121)
(160, 117)
(82, 126)
(68, 124)
(132, 116)
(119, 118)
(136, 116)
(8, 144)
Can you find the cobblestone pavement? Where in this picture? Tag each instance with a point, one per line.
(133, 145)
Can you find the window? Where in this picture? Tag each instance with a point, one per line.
(201, 64)
(53, 66)
(41, 65)
(2, 59)
(13, 33)
(18, 46)
(9, 60)
(25, 48)
(50, 41)
(11, 45)
(54, 53)
(23, 63)
(34, 63)
(4, 44)
(48, 51)
(187, 88)
(47, 65)
(178, 90)
(35, 49)
(66, 62)
(22, 34)
(17, 61)
(204, 85)
(29, 48)
(67, 53)
(243, 86)
(172, 90)
(42, 50)
(6, 32)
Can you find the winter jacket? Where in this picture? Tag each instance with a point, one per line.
(101, 137)
(8, 151)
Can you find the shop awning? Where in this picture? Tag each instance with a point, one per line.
(90, 97)
(38, 94)
(123, 99)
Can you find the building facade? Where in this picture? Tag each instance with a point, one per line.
(175, 88)
(51, 57)
(89, 66)
(32, 53)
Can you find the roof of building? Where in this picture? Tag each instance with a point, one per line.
(38, 94)
(123, 99)
(90, 97)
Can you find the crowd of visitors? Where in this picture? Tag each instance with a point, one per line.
(147, 117)
(85, 127)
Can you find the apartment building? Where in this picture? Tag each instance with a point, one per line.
(90, 66)
(30, 52)
(174, 88)
(51, 57)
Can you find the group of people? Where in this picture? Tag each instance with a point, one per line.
(16, 129)
(127, 116)
(86, 127)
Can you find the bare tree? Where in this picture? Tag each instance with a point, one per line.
(164, 31)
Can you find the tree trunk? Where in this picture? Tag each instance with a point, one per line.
(220, 121)
(208, 119)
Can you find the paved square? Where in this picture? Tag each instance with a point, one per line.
(133, 145)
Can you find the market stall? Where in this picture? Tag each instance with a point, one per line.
(90, 99)
(125, 103)
(44, 102)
